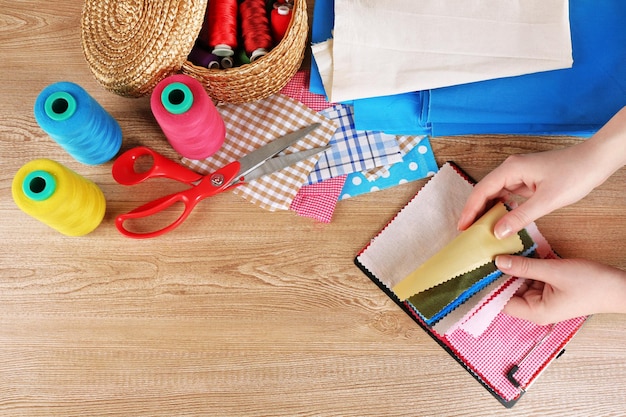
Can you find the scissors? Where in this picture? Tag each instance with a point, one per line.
(259, 162)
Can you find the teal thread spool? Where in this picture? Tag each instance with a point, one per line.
(78, 123)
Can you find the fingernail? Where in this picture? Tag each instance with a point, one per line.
(502, 231)
(503, 262)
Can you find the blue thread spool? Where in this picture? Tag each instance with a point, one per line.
(77, 122)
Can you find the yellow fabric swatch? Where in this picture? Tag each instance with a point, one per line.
(473, 248)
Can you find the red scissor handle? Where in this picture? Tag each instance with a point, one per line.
(125, 172)
(209, 185)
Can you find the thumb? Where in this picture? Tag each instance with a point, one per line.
(518, 218)
(523, 267)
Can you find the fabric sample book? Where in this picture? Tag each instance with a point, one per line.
(505, 354)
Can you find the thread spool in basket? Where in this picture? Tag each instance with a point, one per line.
(187, 116)
(58, 197)
(221, 26)
(280, 18)
(203, 58)
(255, 29)
(77, 122)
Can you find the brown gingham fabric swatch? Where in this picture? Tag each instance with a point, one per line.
(252, 125)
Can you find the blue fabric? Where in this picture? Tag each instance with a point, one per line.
(396, 114)
(352, 150)
(574, 101)
(417, 164)
(321, 30)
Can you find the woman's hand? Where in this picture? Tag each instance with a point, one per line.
(549, 180)
(560, 289)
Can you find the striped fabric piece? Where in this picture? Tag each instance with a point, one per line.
(252, 125)
(353, 150)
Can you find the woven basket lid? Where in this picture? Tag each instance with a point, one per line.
(131, 45)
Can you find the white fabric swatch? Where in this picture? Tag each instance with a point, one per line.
(389, 47)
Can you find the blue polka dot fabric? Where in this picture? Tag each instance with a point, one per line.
(416, 164)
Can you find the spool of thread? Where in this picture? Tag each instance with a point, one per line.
(203, 58)
(187, 116)
(241, 57)
(280, 18)
(77, 122)
(226, 62)
(255, 29)
(58, 197)
(221, 26)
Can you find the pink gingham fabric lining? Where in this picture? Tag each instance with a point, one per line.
(504, 344)
(252, 125)
(318, 201)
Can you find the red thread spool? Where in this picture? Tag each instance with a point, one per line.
(221, 26)
(280, 18)
(255, 28)
(187, 116)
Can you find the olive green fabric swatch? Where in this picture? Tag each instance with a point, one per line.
(433, 300)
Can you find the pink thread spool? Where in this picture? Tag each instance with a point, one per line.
(187, 116)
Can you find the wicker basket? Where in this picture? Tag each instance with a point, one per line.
(131, 45)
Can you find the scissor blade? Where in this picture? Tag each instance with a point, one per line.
(255, 158)
(281, 162)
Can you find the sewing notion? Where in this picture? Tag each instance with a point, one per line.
(187, 116)
(78, 123)
(59, 197)
(464, 313)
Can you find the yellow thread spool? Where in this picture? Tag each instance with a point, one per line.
(58, 197)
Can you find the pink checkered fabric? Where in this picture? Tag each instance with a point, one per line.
(505, 342)
(298, 89)
(318, 200)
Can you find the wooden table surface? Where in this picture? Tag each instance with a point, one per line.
(241, 311)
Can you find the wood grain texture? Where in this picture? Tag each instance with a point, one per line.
(242, 312)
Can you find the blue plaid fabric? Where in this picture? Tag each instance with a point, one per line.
(353, 150)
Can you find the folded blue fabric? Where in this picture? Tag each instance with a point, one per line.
(573, 101)
(396, 114)
(321, 30)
